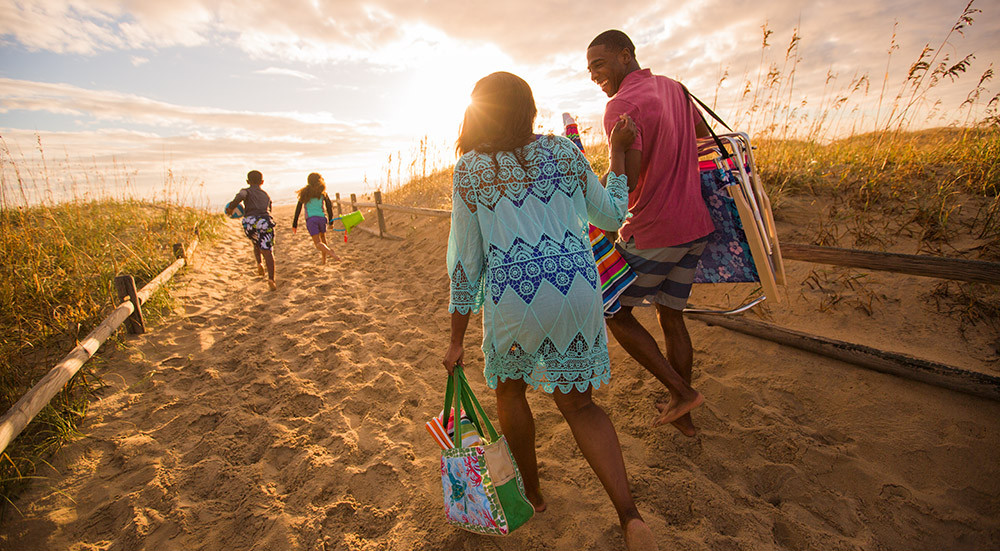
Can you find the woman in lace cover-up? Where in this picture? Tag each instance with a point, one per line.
(519, 250)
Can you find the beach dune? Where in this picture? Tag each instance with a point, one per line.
(294, 419)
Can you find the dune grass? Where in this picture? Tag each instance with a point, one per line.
(56, 285)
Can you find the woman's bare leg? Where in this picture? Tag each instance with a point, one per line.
(518, 425)
(597, 439)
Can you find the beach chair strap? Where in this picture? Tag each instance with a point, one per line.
(725, 152)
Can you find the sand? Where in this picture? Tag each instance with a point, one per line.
(294, 420)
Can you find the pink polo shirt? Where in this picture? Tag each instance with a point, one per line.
(667, 207)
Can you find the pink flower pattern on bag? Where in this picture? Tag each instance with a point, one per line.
(472, 471)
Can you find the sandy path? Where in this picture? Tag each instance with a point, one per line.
(294, 420)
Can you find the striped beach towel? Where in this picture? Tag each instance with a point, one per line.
(444, 436)
(613, 270)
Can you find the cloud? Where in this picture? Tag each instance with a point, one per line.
(543, 41)
(137, 60)
(129, 109)
(286, 72)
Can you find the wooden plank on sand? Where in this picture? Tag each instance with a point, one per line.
(953, 378)
(920, 265)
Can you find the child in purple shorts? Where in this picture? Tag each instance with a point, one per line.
(314, 197)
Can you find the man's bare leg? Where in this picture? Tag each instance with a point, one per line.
(637, 341)
(518, 425)
(680, 354)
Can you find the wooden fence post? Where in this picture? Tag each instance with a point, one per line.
(340, 211)
(125, 289)
(354, 200)
(378, 213)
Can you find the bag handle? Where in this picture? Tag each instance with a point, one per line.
(473, 407)
(725, 152)
(459, 394)
(452, 393)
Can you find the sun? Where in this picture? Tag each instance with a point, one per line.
(437, 79)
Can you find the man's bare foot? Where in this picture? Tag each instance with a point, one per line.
(684, 424)
(638, 536)
(677, 408)
(272, 285)
(334, 257)
(260, 269)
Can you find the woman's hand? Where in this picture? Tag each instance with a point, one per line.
(454, 355)
(623, 134)
(456, 349)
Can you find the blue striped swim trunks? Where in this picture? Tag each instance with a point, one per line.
(664, 274)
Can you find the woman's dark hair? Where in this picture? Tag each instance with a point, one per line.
(314, 188)
(500, 117)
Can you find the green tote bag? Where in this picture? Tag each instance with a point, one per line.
(483, 490)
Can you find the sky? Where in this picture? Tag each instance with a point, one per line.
(180, 99)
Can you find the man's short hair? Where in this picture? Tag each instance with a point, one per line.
(254, 177)
(614, 40)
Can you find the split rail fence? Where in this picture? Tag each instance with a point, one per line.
(128, 312)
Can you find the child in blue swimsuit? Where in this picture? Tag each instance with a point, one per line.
(314, 197)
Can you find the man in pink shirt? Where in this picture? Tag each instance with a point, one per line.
(670, 223)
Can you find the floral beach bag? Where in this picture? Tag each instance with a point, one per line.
(483, 490)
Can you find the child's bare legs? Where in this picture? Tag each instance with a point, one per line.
(269, 260)
(518, 426)
(598, 441)
(260, 265)
(319, 240)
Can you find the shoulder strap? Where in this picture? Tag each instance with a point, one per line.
(718, 142)
(707, 109)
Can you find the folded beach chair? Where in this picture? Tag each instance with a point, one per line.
(744, 246)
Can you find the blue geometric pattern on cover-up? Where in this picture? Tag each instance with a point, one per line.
(524, 267)
(519, 249)
(466, 296)
(727, 256)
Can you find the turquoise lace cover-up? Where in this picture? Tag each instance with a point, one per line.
(519, 250)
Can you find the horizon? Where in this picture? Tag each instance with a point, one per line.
(196, 95)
